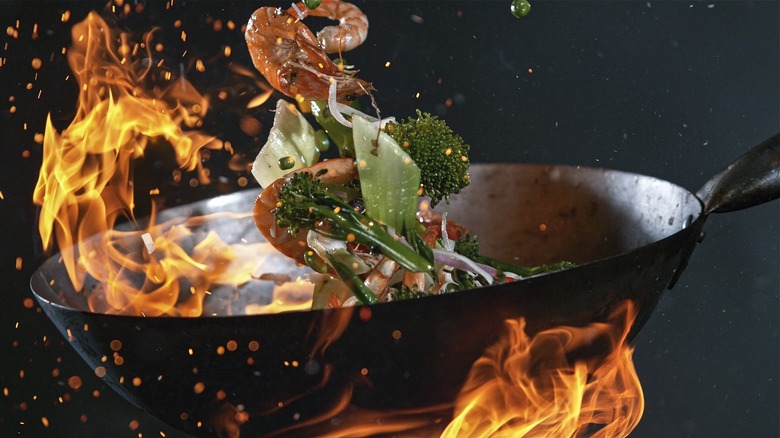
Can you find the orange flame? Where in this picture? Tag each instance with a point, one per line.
(86, 184)
(561, 382)
(527, 387)
(521, 386)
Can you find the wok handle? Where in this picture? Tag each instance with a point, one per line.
(754, 178)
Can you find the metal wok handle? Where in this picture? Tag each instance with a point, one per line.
(754, 178)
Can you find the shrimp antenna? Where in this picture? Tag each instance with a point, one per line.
(373, 101)
(376, 109)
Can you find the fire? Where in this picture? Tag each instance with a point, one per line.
(527, 387)
(561, 382)
(86, 185)
(566, 381)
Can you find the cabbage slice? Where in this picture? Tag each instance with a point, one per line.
(291, 145)
(389, 179)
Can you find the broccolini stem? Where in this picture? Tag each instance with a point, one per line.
(372, 234)
(522, 271)
(348, 276)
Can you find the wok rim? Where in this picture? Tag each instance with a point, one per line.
(690, 223)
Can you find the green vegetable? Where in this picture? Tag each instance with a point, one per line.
(350, 277)
(407, 294)
(305, 204)
(327, 286)
(520, 8)
(312, 4)
(286, 163)
(441, 155)
(469, 246)
(323, 143)
(339, 134)
(291, 138)
(389, 178)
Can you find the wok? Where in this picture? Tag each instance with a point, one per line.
(631, 236)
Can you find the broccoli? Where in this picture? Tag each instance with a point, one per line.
(469, 246)
(405, 293)
(305, 203)
(441, 155)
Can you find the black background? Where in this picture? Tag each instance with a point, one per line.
(670, 89)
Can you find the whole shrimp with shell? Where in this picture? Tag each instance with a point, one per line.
(338, 171)
(295, 62)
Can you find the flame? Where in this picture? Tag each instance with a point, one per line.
(522, 386)
(565, 381)
(86, 184)
(527, 387)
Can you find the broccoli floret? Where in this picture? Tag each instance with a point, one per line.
(441, 155)
(305, 203)
(405, 293)
(468, 246)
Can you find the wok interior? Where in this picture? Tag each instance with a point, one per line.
(533, 214)
(587, 215)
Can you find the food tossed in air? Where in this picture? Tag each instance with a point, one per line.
(295, 61)
(364, 220)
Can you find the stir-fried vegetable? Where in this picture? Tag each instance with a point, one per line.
(291, 145)
(469, 247)
(389, 178)
(306, 203)
(359, 218)
(441, 155)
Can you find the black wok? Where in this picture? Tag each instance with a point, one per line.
(630, 234)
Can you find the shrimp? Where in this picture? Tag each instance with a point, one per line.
(433, 221)
(351, 31)
(295, 62)
(339, 171)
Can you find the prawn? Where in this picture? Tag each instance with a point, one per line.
(351, 31)
(295, 61)
(337, 170)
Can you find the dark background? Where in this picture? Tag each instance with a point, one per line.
(670, 89)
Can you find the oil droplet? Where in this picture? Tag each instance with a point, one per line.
(286, 163)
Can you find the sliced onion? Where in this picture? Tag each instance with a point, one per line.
(337, 109)
(459, 261)
(448, 244)
(333, 105)
(297, 11)
(350, 302)
(512, 275)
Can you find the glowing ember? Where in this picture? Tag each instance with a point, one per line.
(86, 185)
